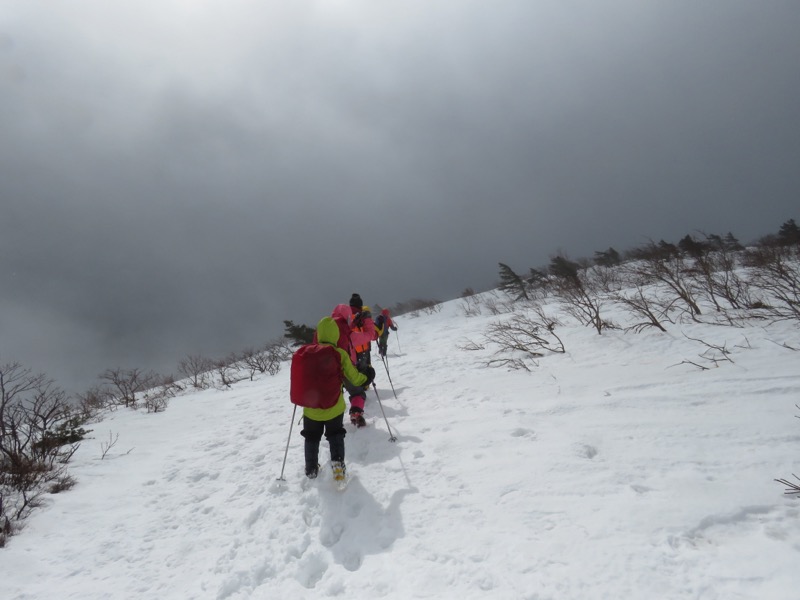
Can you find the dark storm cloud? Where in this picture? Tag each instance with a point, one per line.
(179, 177)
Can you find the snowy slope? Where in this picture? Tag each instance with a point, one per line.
(612, 471)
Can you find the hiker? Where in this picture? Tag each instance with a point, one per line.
(382, 325)
(362, 334)
(330, 421)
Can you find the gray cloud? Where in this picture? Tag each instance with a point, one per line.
(181, 177)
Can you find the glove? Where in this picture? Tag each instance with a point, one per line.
(394, 327)
(358, 320)
(370, 373)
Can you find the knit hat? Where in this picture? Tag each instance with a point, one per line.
(355, 301)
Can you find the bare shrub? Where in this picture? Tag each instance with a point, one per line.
(64, 483)
(279, 351)
(267, 359)
(470, 306)
(108, 445)
(414, 306)
(39, 432)
(128, 385)
(254, 361)
(664, 266)
(716, 277)
(713, 355)
(581, 291)
(433, 309)
(775, 272)
(94, 401)
(469, 345)
(227, 370)
(792, 488)
(499, 306)
(197, 369)
(522, 338)
(157, 399)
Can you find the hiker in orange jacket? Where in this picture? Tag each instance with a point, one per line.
(362, 334)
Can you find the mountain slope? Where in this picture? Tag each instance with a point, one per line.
(615, 470)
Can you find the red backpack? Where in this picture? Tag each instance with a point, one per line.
(316, 376)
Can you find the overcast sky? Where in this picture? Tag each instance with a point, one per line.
(179, 176)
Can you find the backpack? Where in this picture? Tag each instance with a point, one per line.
(379, 324)
(316, 376)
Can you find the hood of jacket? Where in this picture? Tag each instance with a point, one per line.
(342, 311)
(327, 331)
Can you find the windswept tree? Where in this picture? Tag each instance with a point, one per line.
(607, 258)
(511, 283)
(789, 234)
(298, 334)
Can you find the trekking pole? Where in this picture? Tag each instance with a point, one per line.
(391, 435)
(285, 454)
(386, 365)
(398, 341)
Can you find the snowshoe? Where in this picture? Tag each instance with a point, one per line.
(339, 471)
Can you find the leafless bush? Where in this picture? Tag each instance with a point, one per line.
(501, 306)
(664, 266)
(227, 370)
(775, 272)
(94, 401)
(522, 338)
(433, 309)
(645, 306)
(713, 355)
(127, 385)
(197, 369)
(469, 345)
(108, 445)
(717, 279)
(266, 360)
(279, 352)
(64, 483)
(414, 306)
(792, 488)
(581, 292)
(254, 361)
(39, 433)
(6, 528)
(157, 399)
(470, 306)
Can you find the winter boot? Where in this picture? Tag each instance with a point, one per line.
(339, 471)
(312, 471)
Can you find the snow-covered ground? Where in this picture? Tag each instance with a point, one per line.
(614, 471)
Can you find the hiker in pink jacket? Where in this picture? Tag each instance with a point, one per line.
(357, 334)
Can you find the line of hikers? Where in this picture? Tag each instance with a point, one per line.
(350, 331)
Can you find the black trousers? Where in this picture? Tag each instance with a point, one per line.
(334, 432)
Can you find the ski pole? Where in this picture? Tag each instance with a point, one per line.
(391, 435)
(386, 365)
(285, 454)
